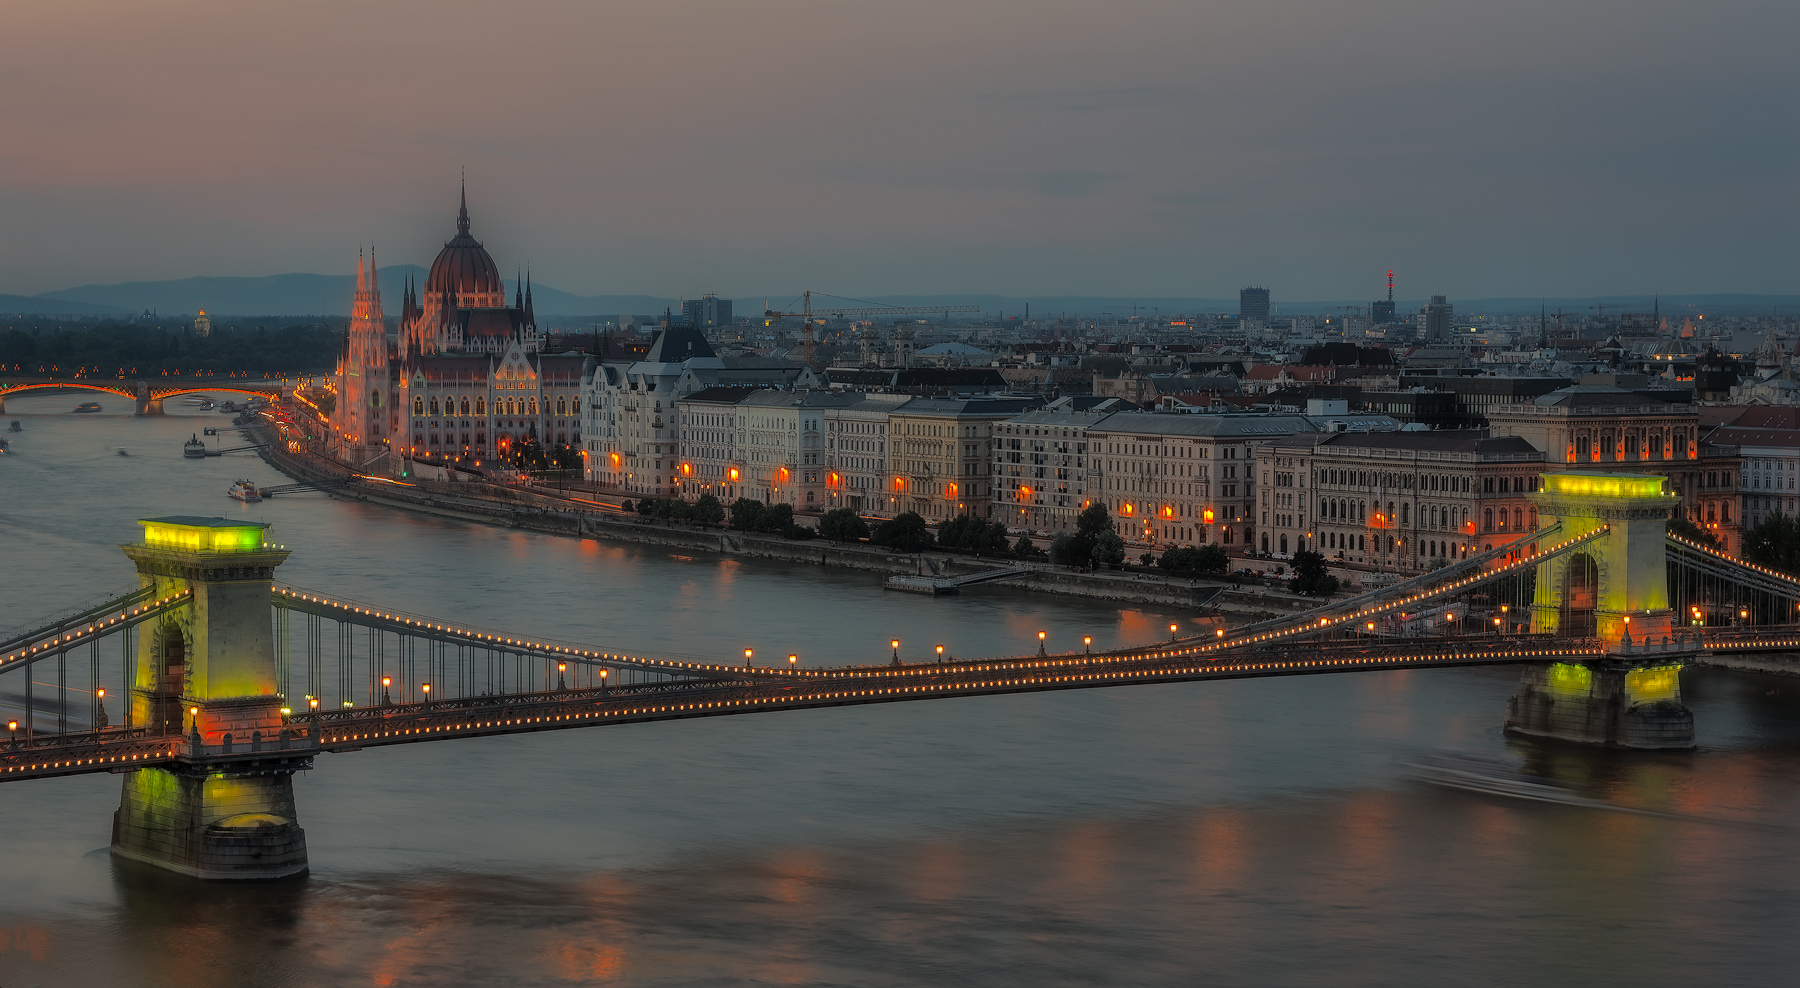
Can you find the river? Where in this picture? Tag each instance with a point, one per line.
(1230, 833)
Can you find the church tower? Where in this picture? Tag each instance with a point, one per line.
(362, 412)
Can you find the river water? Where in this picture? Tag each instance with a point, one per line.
(1240, 833)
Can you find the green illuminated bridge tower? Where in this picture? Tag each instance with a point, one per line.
(1616, 588)
(207, 671)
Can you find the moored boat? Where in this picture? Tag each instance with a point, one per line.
(245, 491)
(193, 448)
(88, 406)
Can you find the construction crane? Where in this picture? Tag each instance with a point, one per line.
(807, 314)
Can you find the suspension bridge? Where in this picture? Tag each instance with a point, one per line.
(224, 682)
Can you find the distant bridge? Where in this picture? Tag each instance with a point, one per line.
(148, 397)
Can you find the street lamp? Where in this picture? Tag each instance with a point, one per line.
(940, 651)
(561, 667)
(386, 700)
(1040, 643)
(896, 646)
(793, 660)
(1087, 643)
(1172, 632)
(747, 654)
(427, 688)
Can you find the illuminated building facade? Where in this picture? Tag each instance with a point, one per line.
(464, 382)
(941, 454)
(1396, 501)
(1041, 469)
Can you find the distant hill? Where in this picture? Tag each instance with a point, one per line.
(330, 295)
(41, 306)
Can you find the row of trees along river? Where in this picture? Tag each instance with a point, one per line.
(46, 348)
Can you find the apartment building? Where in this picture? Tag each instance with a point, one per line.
(857, 474)
(941, 454)
(1041, 469)
(1398, 500)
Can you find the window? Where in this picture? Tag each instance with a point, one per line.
(1487, 520)
(419, 405)
(480, 405)
(434, 407)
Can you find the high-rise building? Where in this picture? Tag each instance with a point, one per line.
(1253, 305)
(707, 312)
(1438, 313)
(1382, 312)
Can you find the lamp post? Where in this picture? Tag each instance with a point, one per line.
(194, 724)
(602, 679)
(895, 643)
(386, 700)
(100, 708)
(1040, 643)
(1173, 633)
(426, 687)
(940, 653)
(793, 660)
(561, 667)
(1087, 644)
(13, 726)
(747, 654)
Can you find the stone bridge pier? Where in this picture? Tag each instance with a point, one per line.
(207, 671)
(147, 405)
(1615, 588)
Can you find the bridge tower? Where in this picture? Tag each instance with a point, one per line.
(207, 671)
(1615, 589)
(147, 404)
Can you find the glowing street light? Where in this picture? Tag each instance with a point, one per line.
(895, 643)
(1040, 643)
(793, 660)
(386, 681)
(747, 654)
(940, 653)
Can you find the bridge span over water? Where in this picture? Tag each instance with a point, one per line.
(225, 683)
(148, 396)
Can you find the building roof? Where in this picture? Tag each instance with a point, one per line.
(676, 344)
(968, 406)
(1475, 441)
(1606, 395)
(719, 394)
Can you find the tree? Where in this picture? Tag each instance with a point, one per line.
(1694, 533)
(1211, 558)
(1062, 551)
(1311, 576)
(775, 518)
(1026, 549)
(1775, 543)
(746, 513)
(973, 534)
(646, 507)
(843, 525)
(1178, 558)
(708, 510)
(1109, 549)
(903, 533)
(628, 507)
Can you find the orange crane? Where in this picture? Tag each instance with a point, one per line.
(807, 314)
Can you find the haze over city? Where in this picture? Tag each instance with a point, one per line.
(1014, 493)
(1017, 148)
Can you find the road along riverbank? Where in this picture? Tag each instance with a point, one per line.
(512, 508)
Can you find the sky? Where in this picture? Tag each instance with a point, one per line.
(1016, 147)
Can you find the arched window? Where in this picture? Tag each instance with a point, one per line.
(1581, 447)
(1534, 521)
(533, 405)
(562, 405)
(1656, 445)
(434, 407)
(1518, 518)
(480, 405)
(1406, 514)
(419, 405)
(465, 405)
(1487, 520)
(1284, 544)
(1631, 445)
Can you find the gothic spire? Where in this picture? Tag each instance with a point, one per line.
(362, 284)
(462, 214)
(374, 289)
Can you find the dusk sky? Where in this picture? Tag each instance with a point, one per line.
(1041, 147)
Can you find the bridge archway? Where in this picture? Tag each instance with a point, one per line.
(1581, 593)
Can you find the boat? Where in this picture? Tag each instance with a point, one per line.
(245, 491)
(15, 426)
(122, 451)
(193, 448)
(210, 431)
(3, 448)
(226, 406)
(88, 406)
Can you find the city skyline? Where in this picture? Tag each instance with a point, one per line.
(1005, 150)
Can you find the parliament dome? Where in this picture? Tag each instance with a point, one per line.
(465, 270)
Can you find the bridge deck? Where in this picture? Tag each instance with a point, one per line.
(482, 716)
